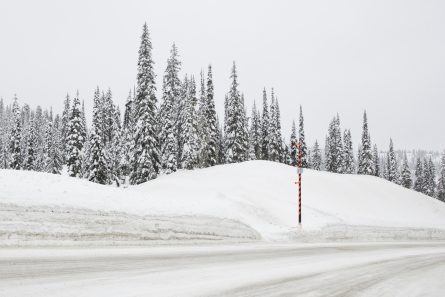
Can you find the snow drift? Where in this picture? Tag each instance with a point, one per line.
(246, 201)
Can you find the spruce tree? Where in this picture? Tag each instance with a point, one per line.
(316, 157)
(235, 142)
(392, 163)
(98, 170)
(302, 140)
(128, 133)
(293, 145)
(189, 157)
(430, 177)
(64, 126)
(279, 137)
(366, 164)
(334, 147)
(419, 177)
(168, 114)
(407, 181)
(145, 160)
(376, 160)
(55, 150)
(441, 181)
(265, 129)
(211, 143)
(348, 154)
(255, 132)
(31, 148)
(15, 138)
(115, 149)
(75, 140)
(273, 131)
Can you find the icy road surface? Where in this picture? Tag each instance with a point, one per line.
(339, 269)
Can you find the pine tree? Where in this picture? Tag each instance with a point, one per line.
(189, 157)
(441, 181)
(293, 145)
(255, 132)
(54, 142)
(98, 170)
(115, 149)
(366, 164)
(316, 157)
(31, 148)
(407, 181)
(128, 133)
(15, 138)
(392, 164)
(64, 126)
(168, 115)
(75, 140)
(145, 161)
(279, 137)
(202, 123)
(376, 160)
(430, 177)
(334, 147)
(348, 154)
(301, 140)
(419, 184)
(265, 129)
(235, 142)
(211, 139)
(273, 131)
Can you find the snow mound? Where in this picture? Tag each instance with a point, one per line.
(245, 201)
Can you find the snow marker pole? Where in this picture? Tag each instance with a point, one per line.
(299, 182)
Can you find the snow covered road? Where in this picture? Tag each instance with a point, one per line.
(335, 269)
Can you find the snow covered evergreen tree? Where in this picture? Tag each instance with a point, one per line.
(392, 164)
(235, 141)
(302, 140)
(366, 164)
(128, 133)
(75, 140)
(64, 126)
(15, 138)
(316, 157)
(419, 183)
(145, 161)
(55, 150)
(441, 181)
(168, 114)
(255, 132)
(211, 134)
(265, 129)
(429, 177)
(348, 154)
(189, 157)
(98, 170)
(31, 147)
(406, 179)
(279, 137)
(273, 132)
(293, 145)
(334, 147)
(376, 160)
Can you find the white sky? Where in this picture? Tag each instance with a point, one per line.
(329, 56)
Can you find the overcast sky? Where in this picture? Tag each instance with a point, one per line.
(387, 57)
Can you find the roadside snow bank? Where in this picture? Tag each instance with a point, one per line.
(245, 201)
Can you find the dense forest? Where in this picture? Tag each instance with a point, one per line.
(183, 131)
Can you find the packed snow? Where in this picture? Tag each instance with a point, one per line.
(254, 200)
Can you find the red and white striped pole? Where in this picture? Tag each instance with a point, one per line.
(300, 171)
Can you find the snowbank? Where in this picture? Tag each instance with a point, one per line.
(245, 201)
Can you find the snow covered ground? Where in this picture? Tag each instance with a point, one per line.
(237, 202)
